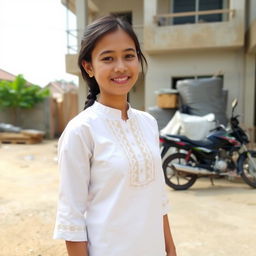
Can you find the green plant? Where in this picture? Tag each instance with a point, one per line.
(19, 94)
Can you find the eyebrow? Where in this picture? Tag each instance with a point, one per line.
(111, 51)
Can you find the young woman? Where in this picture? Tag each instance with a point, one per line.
(112, 199)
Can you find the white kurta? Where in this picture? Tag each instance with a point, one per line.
(112, 189)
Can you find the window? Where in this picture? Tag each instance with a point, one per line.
(210, 5)
(197, 5)
(184, 6)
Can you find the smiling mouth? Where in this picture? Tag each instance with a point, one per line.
(120, 80)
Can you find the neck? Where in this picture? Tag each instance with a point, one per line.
(118, 102)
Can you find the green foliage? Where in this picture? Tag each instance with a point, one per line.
(20, 94)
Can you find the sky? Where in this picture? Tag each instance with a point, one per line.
(33, 40)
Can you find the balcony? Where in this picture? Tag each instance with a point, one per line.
(165, 35)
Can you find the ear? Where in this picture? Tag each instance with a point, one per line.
(88, 68)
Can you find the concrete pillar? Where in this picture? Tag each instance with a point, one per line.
(150, 10)
(249, 89)
(82, 22)
(81, 18)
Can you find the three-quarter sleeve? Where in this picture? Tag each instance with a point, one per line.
(74, 156)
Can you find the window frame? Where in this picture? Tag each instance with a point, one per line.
(226, 4)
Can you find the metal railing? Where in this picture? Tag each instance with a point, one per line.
(72, 35)
(164, 19)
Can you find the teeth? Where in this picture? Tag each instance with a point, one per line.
(120, 79)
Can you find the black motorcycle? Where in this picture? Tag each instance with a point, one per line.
(223, 153)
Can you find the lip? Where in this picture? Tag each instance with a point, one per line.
(120, 79)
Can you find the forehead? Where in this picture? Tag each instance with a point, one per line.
(115, 41)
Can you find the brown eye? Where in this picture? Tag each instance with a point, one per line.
(107, 59)
(129, 56)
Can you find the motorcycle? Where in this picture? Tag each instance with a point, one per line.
(222, 153)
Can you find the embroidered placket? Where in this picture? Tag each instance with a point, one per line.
(142, 171)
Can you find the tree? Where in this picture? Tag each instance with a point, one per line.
(20, 94)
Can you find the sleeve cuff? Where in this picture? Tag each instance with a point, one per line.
(70, 233)
(166, 208)
(166, 203)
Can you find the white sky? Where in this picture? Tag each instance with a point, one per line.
(33, 40)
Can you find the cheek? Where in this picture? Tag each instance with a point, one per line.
(101, 72)
(136, 68)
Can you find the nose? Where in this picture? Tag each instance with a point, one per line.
(120, 66)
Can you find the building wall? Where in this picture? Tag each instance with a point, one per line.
(163, 6)
(251, 5)
(163, 67)
(250, 65)
(109, 6)
(39, 117)
(137, 95)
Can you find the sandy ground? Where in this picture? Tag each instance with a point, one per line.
(205, 220)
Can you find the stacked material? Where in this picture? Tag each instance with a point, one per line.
(23, 137)
(166, 106)
(194, 127)
(167, 98)
(202, 96)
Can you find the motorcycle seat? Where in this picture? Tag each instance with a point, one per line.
(200, 143)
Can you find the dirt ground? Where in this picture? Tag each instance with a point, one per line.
(206, 220)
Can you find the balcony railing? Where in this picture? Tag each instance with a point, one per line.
(167, 19)
(72, 36)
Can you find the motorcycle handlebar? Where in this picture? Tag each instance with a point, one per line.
(219, 127)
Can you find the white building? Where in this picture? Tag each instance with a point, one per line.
(184, 38)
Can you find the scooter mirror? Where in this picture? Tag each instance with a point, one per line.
(234, 103)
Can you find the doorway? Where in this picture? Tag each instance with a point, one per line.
(125, 15)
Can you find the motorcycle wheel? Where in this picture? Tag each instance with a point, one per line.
(176, 179)
(248, 169)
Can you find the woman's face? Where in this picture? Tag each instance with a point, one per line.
(115, 63)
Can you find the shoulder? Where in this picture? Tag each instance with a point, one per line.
(81, 121)
(79, 127)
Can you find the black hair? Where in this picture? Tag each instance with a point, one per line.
(94, 32)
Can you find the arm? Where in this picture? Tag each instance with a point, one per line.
(169, 244)
(77, 248)
(74, 166)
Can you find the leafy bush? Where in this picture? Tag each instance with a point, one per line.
(20, 94)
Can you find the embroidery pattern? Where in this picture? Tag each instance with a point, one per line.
(149, 167)
(62, 227)
(120, 135)
(139, 175)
